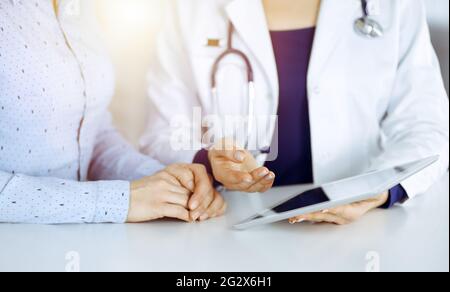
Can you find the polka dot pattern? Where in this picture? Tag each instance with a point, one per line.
(55, 130)
(26, 199)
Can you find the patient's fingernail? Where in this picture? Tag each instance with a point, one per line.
(190, 185)
(248, 180)
(239, 156)
(191, 220)
(263, 173)
(195, 216)
(325, 211)
(195, 205)
(270, 176)
(203, 217)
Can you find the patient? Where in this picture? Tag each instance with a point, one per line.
(56, 133)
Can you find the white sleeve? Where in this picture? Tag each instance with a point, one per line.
(116, 159)
(417, 121)
(172, 93)
(36, 200)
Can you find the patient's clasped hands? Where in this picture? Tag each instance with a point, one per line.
(186, 191)
(181, 191)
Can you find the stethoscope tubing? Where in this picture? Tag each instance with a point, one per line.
(229, 52)
(365, 8)
(367, 29)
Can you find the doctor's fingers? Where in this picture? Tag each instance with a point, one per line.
(217, 208)
(263, 185)
(320, 217)
(234, 179)
(341, 211)
(352, 212)
(234, 155)
(264, 180)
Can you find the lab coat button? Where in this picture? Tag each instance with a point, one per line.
(316, 90)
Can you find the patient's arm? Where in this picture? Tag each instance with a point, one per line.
(26, 199)
(115, 158)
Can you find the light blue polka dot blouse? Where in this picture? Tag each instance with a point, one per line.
(61, 160)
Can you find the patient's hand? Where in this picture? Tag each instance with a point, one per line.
(205, 202)
(237, 169)
(344, 215)
(180, 191)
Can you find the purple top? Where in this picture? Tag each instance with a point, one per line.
(294, 163)
(292, 53)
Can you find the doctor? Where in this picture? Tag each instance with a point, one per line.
(356, 86)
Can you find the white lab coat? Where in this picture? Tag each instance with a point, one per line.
(373, 103)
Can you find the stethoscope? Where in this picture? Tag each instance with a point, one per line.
(230, 51)
(367, 26)
(364, 26)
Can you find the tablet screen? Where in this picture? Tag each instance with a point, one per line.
(306, 199)
(338, 193)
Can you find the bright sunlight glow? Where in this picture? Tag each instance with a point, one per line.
(129, 18)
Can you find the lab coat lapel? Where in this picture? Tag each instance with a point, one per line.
(249, 19)
(336, 17)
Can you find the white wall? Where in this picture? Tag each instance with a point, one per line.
(129, 28)
(438, 11)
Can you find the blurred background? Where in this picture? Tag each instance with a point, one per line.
(130, 27)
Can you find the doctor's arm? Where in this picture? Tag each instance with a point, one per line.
(416, 123)
(417, 120)
(173, 95)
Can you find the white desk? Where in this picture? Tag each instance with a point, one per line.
(411, 238)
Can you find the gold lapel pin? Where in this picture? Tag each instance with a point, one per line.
(214, 43)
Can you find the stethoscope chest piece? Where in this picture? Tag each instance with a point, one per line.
(366, 26)
(369, 28)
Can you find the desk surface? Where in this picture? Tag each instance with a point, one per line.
(410, 238)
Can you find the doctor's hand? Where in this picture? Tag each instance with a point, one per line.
(237, 170)
(180, 191)
(343, 215)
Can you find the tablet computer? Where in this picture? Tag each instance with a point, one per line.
(339, 193)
